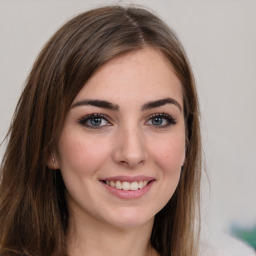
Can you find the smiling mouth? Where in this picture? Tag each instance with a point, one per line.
(125, 185)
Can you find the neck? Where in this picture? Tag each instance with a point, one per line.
(92, 238)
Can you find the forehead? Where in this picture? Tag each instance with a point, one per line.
(145, 75)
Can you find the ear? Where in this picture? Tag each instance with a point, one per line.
(183, 161)
(52, 162)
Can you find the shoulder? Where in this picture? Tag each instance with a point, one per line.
(225, 245)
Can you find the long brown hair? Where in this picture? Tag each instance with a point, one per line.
(33, 212)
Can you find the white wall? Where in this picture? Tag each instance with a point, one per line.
(220, 39)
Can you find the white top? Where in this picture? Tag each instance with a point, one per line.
(225, 245)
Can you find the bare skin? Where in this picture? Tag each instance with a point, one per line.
(124, 128)
(102, 241)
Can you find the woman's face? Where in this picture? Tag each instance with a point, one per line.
(123, 142)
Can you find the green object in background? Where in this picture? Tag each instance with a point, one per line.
(247, 235)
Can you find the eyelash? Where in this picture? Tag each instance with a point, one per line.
(165, 117)
(83, 121)
(168, 118)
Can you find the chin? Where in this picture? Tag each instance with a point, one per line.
(131, 219)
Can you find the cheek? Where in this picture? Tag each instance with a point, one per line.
(169, 154)
(80, 154)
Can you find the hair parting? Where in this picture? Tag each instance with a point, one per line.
(33, 211)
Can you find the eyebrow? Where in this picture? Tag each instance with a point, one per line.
(96, 103)
(162, 102)
(111, 106)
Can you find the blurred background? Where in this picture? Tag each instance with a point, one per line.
(220, 39)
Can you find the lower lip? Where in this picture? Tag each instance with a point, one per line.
(129, 194)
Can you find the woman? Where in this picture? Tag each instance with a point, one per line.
(103, 155)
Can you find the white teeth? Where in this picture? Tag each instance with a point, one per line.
(134, 185)
(141, 183)
(127, 185)
(118, 185)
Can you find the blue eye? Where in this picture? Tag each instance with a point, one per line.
(94, 121)
(161, 120)
(157, 120)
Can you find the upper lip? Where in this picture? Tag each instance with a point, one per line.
(128, 178)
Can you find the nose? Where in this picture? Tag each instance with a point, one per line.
(130, 148)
